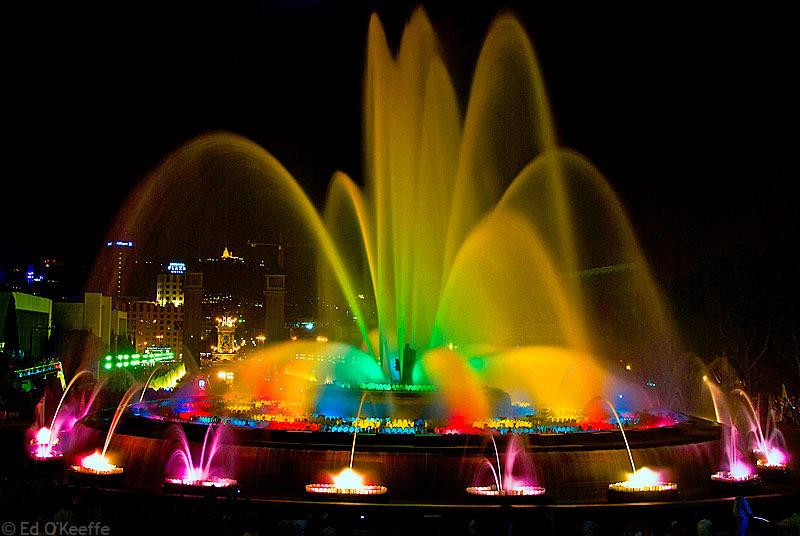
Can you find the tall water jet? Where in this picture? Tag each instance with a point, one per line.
(469, 273)
(641, 483)
(98, 463)
(47, 438)
(448, 200)
(735, 471)
(766, 442)
(149, 379)
(348, 481)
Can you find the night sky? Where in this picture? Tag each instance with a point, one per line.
(691, 112)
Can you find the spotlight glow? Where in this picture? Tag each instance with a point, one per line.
(43, 435)
(347, 482)
(511, 491)
(643, 480)
(96, 464)
(42, 449)
(739, 473)
(775, 458)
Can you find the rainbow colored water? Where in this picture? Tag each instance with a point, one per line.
(478, 252)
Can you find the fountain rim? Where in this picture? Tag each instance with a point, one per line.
(692, 430)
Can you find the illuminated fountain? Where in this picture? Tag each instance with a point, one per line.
(348, 482)
(458, 238)
(473, 266)
(45, 444)
(766, 442)
(187, 474)
(97, 463)
(506, 484)
(643, 481)
(736, 473)
(641, 484)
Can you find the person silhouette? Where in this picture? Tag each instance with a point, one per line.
(742, 513)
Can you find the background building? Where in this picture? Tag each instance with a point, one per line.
(154, 325)
(118, 257)
(94, 315)
(169, 285)
(25, 323)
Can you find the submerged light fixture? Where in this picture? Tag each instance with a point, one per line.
(346, 482)
(96, 464)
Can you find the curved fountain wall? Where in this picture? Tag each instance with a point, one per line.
(575, 468)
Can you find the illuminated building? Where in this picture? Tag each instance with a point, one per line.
(169, 285)
(154, 325)
(121, 257)
(227, 255)
(94, 315)
(24, 325)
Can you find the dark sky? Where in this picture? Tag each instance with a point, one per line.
(692, 112)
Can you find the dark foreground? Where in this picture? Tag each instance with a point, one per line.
(32, 498)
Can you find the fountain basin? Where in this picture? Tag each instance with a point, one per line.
(333, 491)
(575, 468)
(213, 485)
(729, 483)
(772, 472)
(515, 494)
(624, 492)
(97, 478)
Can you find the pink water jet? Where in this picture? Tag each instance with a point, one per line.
(766, 441)
(202, 474)
(506, 483)
(68, 412)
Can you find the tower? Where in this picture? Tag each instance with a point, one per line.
(120, 258)
(274, 303)
(226, 347)
(192, 315)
